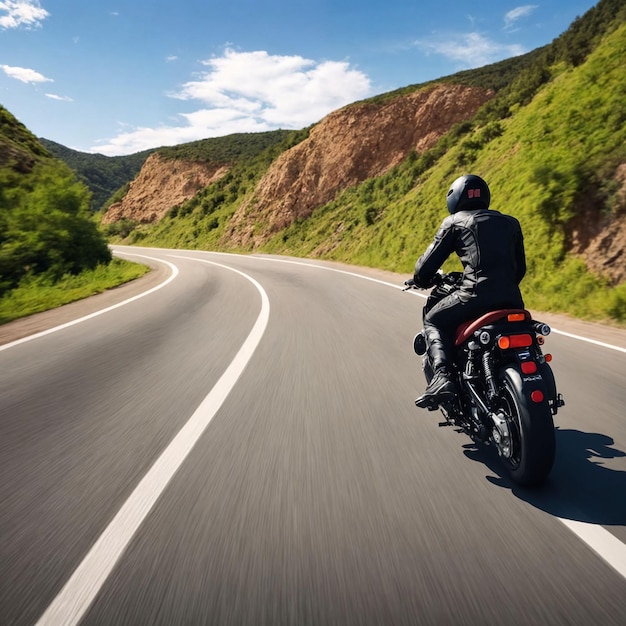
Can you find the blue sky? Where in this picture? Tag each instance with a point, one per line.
(120, 77)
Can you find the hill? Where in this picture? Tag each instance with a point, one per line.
(366, 185)
(19, 149)
(46, 231)
(108, 178)
(101, 174)
(170, 176)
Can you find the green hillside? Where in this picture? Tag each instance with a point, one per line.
(103, 175)
(49, 242)
(546, 162)
(108, 177)
(19, 149)
(549, 144)
(229, 149)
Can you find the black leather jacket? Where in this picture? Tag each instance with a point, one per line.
(490, 246)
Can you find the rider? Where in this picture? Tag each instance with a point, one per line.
(490, 246)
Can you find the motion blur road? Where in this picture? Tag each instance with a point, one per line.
(239, 445)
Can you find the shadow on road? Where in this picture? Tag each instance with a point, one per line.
(580, 487)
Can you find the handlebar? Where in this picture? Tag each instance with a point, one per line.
(440, 278)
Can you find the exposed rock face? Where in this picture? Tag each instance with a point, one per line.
(601, 239)
(161, 185)
(347, 147)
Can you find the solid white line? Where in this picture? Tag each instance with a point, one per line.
(596, 537)
(173, 275)
(79, 592)
(595, 342)
(601, 541)
(334, 269)
(414, 292)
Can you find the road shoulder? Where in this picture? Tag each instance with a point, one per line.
(18, 329)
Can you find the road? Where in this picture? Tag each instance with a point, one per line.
(235, 442)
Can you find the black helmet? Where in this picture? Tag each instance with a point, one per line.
(468, 192)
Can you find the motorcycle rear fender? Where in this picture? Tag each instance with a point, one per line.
(548, 376)
(544, 371)
(526, 384)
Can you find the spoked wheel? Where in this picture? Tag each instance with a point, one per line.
(531, 431)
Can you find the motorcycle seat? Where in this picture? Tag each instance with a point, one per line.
(467, 329)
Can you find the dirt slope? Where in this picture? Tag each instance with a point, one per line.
(161, 185)
(600, 238)
(347, 147)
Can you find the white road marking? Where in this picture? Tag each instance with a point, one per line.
(595, 342)
(80, 590)
(600, 540)
(173, 275)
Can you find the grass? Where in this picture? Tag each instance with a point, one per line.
(543, 163)
(35, 295)
(548, 158)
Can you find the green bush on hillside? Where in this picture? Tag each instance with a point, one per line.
(45, 226)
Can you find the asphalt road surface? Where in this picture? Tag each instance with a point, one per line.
(234, 441)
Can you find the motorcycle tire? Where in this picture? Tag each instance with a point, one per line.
(531, 429)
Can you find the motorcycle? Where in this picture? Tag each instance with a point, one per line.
(506, 390)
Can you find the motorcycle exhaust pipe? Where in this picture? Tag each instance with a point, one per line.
(542, 329)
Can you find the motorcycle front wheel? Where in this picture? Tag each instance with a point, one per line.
(531, 428)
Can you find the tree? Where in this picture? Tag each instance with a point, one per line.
(45, 226)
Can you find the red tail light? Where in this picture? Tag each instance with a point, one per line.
(515, 341)
(516, 317)
(537, 396)
(529, 367)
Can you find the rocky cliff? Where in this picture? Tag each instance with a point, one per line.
(599, 238)
(358, 142)
(161, 185)
(347, 147)
(353, 144)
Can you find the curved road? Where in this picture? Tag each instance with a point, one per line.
(234, 441)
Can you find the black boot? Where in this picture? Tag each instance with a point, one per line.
(440, 389)
(441, 386)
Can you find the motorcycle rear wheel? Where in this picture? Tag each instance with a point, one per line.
(531, 428)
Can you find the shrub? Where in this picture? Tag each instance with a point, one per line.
(46, 226)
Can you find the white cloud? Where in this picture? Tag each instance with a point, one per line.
(470, 49)
(284, 90)
(16, 13)
(517, 13)
(53, 96)
(171, 58)
(25, 75)
(251, 92)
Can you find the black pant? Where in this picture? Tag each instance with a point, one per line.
(443, 317)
